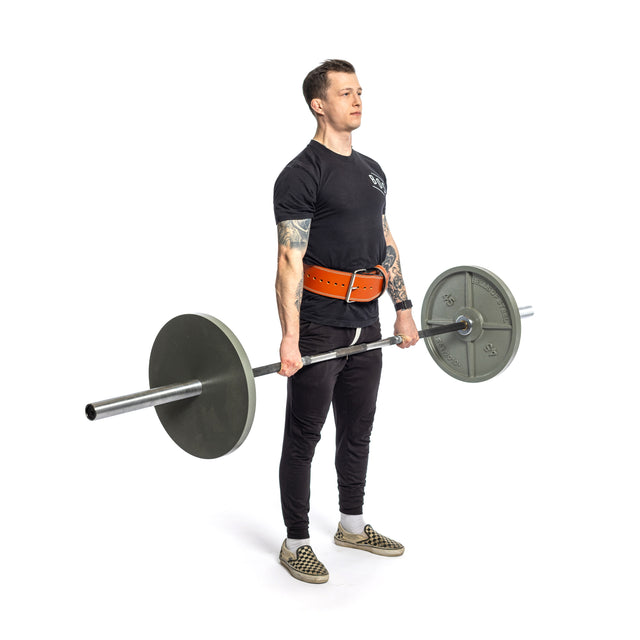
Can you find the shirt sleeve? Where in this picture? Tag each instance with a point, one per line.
(294, 194)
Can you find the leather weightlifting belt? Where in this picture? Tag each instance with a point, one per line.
(361, 285)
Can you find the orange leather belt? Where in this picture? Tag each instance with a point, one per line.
(362, 285)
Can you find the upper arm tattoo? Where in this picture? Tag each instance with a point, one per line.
(294, 234)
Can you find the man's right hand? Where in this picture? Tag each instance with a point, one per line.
(290, 358)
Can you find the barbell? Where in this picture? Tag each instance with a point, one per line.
(203, 385)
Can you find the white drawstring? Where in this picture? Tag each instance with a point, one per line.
(357, 336)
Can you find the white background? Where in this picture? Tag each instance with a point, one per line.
(139, 145)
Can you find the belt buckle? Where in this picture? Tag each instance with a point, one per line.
(351, 287)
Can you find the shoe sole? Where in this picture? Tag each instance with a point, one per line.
(303, 577)
(375, 550)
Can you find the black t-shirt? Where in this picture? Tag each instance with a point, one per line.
(345, 198)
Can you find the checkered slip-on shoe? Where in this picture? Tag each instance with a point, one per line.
(370, 540)
(303, 564)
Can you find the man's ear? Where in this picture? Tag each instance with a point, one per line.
(316, 106)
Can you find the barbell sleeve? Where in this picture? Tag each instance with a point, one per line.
(143, 399)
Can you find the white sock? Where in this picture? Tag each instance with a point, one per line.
(352, 524)
(293, 544)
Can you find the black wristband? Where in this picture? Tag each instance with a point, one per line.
(405, 304)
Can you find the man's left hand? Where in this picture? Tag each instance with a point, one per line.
(406, 327)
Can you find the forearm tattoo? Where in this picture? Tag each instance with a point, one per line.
(294, 234)
(385, 228)
(396, 286)
(298, 296)
(390, 259)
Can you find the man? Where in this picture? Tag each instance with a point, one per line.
(336, 255)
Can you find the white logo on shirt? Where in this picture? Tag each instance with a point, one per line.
(378, 183)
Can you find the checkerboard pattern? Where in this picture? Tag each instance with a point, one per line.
(304, 565)
(370, 540)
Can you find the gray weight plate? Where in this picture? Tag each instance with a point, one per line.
(480, 296)
(200, 347)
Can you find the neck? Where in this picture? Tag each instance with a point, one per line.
(336, 142)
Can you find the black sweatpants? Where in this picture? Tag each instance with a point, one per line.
(351, 384)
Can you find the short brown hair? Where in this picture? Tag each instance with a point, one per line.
(316, 83)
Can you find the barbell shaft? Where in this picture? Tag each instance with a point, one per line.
(359, 348)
